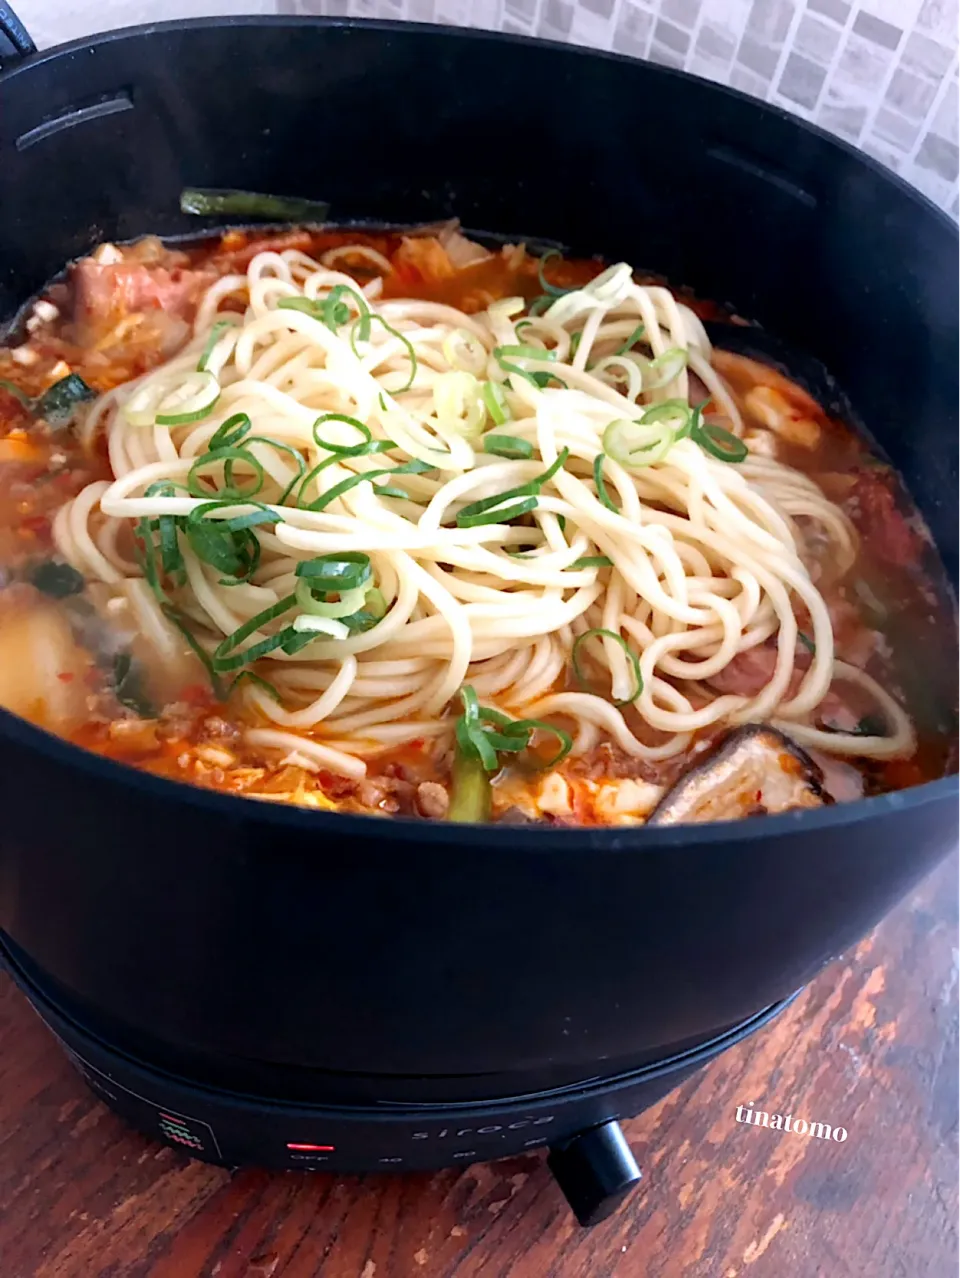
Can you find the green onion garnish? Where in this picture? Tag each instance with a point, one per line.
(502, 354)
(550, 289)
(807, 642)
(483, 733)
(608, 634)
(472, 518)
(665, 368)
(227, 456)
(592, 561)
(634, 337)
(225, 657)
(214, 336)
(509, 446)
(230, 432)
(718, 442)
(361, 330)
(601, 485)
(339, 571)
(307, 305)
(344, 450)
(415, 467)
(540, 304)
(495, 402)
(494, 510)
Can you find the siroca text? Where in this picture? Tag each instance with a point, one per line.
(787, 1123)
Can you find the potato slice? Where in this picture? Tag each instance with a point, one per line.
(43, 669)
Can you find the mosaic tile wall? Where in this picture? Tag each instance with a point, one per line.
(880, 73)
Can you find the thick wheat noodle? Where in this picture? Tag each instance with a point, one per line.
(708, 558)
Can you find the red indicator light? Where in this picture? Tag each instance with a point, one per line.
(323, 1149)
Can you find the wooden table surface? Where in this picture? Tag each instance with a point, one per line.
(871, 1046)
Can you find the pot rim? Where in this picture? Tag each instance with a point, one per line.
(483, 35)
(27, 736)
(634, 839)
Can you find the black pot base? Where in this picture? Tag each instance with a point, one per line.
(231, 1129)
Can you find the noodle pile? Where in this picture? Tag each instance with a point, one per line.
(683, 561)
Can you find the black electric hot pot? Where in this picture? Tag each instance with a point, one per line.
(298, 989)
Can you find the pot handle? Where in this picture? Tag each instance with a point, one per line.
(15, 42)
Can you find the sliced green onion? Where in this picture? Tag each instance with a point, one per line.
(551, 290)
(415, 467)
(719, 443)
(634, 337)
(390, 490)
(219, 201)
(228, 456)
(523, 352)
(807, 642)
(650, 437)
(291, 452)
(592, 561)
(665, 368)
(509, 446)
(557, 464)
(343, 450)
(229, 545)
(495, 402)
(600, 482)
(177, 619)
(336, 572)
(477, 513)
(226, 658)
(159, 402)
(632, 444)
(230, 433)
(540, 305)
(214, 336)
(190, 402)
(249, 677)
(58, 404)
(502, 515)
(502, 354)
(483, 733)
(306, 305)
(350, 601)
(358, 330)
(608, 634)
(677, 412)
(374, 609)
(321, 626)
(539, 725)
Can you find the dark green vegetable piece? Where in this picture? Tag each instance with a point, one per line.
(56, 580)
(58, 405)
(212, 202)
(128, 686)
